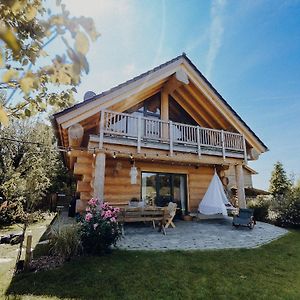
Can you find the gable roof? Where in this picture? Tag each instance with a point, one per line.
(123, 84)
(100, 99)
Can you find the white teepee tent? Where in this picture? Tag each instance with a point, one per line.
(214, 199)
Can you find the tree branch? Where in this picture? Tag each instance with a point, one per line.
(29, 68)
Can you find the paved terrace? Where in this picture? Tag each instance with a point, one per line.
(201, 235)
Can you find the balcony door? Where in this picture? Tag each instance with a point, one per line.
(162, 188)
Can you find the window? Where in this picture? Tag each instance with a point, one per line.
(148, 108)
(178, 114)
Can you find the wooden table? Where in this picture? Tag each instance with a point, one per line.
(130, 214)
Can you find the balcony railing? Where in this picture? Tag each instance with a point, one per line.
(145, 132)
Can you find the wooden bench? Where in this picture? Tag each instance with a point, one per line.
(143, 214)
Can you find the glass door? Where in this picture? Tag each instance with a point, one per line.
(179, 191)
(161, 188)
(164, 189)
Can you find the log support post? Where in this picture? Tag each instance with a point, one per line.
(99, 176)
(239, 175)
(164, 112)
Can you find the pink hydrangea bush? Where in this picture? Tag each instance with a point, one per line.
(100, 229)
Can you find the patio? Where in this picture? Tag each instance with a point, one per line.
(202, 235)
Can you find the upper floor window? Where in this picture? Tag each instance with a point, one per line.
(148, 108)
(178, 114)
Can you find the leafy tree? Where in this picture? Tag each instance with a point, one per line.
(279, 183)
(28, 169)
(26, 28)
(285, 201)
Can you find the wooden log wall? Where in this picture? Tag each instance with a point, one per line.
(84, 170)
(119, 190)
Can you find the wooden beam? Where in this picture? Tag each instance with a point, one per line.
(85, 196)
(117, 96)
(186, 106)
(198, 107)
(83, 187)
(132, 101)
(178, 79)
(213, 112)
(161, 156)
(85, 160)
(80, 169)
(239, 173)
(86, 178)
(164, 106)
(231, 118)
(80, 153)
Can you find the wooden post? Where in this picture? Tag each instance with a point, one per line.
(28, 252)
(245, 150)
(139, 134)
(198, 141)
(171, 137)
(239, 175)
(99, 176)
(101, 131)
(164, 112)
(223, 144)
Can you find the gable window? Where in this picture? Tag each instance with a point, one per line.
(178, 114)
(149, 108)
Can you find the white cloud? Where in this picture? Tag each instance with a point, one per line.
(215, 34)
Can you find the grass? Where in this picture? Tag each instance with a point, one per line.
(268, 272)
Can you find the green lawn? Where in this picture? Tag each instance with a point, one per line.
(268, 272)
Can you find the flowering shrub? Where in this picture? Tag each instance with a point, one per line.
(99, 228)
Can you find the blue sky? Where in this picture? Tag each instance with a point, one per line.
(249, 50)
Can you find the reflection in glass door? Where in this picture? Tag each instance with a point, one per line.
(161, 188)
(149, 188)
(164, 189)
(179, 191)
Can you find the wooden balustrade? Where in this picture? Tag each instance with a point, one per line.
(146, 130)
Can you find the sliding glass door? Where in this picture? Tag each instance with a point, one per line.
(161, 188)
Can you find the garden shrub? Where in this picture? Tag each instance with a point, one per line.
(285, 211)
(11, 212)
(99, 228)
(65, 242)
(261, 205)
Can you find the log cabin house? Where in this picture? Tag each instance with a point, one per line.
(158, 138)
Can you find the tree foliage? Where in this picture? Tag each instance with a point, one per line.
(284, 206)
(279, 183)
(30, 169)
(26, 28)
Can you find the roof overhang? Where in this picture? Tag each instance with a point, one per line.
(148, 83)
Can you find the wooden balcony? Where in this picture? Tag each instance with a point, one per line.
(142, 132)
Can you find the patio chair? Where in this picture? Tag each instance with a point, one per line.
(171, 211)
(244, 218)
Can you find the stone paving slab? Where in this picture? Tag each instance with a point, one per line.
(199, 235)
